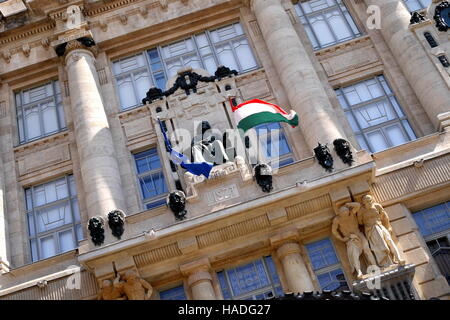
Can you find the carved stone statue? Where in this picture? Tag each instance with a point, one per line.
(346, 229)
(96, 227)
(109, 292)
(206, 148)
(378, 231)
(263, 176)
(134, 287)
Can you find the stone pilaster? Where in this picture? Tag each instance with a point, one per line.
(413, 60)
(98, 162)
(199, 279)
(305, 91)
(289, 252)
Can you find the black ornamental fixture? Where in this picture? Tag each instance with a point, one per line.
(85, 41)
(442, 16)
(324, 156)
(96, 227)
(329, 295)
(188, 82)
(116, 221)
(344, 151)
(176, 201)
(263, 176)
(416, 17)
(430, 39)
(444, 61)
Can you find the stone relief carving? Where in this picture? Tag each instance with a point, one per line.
(96, 227)
(344, 151)
(176, 201)
(365, 229)
(116, 221)
(133, 286)
(263, 176)
(324, 156)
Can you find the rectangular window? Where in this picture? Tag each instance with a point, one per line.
(39, 112)
(327, 22)
(375, 114)
(434, 225)
(326, 265)
(257, 280)
(176, 293)
(53, 218)
(275, 147)
(226, 46)
(414, 5)
(151, 178)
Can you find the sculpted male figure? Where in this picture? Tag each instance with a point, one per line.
(378, 231)
(109, 292)
(134, 287)
(346, 229)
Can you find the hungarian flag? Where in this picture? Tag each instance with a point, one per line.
(255, 112)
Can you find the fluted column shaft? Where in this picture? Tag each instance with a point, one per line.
(305, 91)
(297, 275)
(200, 282)
(413, 60)
(99, 166)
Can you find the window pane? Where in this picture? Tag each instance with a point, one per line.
(176, 293)
(32, 122)
(48, 247)
(53, 217)
(321, 254)
(66, 240)
(331, 22)
(245, 55)
(226, 57)
(396, 135)
(377, 141)
(34, 250)
(433, 220)
(126, 92)
(49, 117)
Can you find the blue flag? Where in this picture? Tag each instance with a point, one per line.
(202, 168)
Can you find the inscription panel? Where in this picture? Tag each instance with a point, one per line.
(222, 194)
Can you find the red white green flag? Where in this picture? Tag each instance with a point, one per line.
(255, 112)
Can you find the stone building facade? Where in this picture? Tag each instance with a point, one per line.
(77, 142)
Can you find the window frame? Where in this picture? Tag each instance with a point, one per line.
(380, 127)
(54, 233)
(149, 173)
(322, 13)
(289, 156)
(405, 3)
(327, 269)
(164, 68)
(252, 294)
(18, 95)
(172, 288)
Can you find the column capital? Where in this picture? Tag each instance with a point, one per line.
(196, 266)
(72, 41)
(288, 248)
(288, 236)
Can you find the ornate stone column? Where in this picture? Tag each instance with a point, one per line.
(297, 275)
(99, 167)
(305, 92)
(413, 60)
(199, 280)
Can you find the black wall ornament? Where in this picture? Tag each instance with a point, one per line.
(176, 201)
(263, 176)
(416, 17)
(442, 16)
(188, 82)
(116, 221)
(96, 227)
(324, 157)
(344, 151)
(85, 41)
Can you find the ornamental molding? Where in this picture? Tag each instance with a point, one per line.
(31, 32)
(348, 46)
(43, 144)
